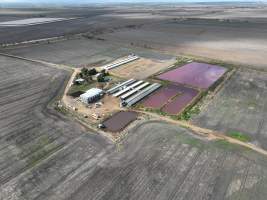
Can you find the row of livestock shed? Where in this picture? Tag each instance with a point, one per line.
(140, 95)
(120, 86)
(126, 89)
(129, 58)
(132, 91)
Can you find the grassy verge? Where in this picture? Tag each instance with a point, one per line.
(225, 145)
(239, 136)
(188, 113)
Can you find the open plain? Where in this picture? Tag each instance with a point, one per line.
(87, 52)
(230, 33)
(46, 154)
(240, 106)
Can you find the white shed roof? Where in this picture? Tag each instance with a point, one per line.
(80, 80)
(92, 92)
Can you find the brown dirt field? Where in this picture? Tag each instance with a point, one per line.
(142, 68)
(237, 42)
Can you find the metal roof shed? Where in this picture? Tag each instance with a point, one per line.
(137, 97)
(128, 94)
(91, 95)
(130, 87)
(118, 87)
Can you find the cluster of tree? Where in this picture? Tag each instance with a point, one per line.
(91, 74)
(102, 76)
(87, 72)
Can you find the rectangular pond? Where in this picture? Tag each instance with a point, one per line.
(119, 120)
(180, 102)
(200, 75)
(161, 97)
(171, 99)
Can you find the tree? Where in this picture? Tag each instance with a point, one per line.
(84, 72)
(91, 72)
(101, 77)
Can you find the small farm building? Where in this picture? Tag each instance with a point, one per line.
(79, 81)
(91, 95)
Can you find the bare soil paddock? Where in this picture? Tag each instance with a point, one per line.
(238, 42)
(30, 132)
(85, 52)
(85, 18)
(78, 52)
(157, 161)
(46, 156)
(142, 68)
(235, 33)
(232, 33)
(240, 106)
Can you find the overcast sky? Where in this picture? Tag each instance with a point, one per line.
(112, 1)
(80, 2)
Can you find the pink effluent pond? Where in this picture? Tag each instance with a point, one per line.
(180, 102)
(171, 99)
(200, 75)
(158, 99)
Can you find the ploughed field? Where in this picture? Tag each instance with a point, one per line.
(38, 148)
(160, 161)
(223, 32)
(240, 106)
(44, 155)
(233, 40)
(84, 20)
(84, 52)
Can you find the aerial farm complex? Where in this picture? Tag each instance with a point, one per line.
(169, 92)
(133, 102)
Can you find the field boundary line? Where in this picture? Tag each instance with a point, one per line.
(38, 41)
(64, 67)
(208, 133)
(43, 160)
(208, 99)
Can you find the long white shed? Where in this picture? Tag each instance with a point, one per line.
(128, 94)
(120, 62)
(120, 86)
(142, 94)
(127, 88)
